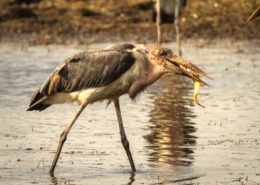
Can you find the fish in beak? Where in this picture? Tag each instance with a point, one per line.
(181, 66)
(178, 65)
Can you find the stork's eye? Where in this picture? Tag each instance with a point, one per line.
(163, 53)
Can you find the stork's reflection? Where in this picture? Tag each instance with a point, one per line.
(172, 137)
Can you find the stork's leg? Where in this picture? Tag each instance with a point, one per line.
(177, 25)
(178, 38)
(158, 21)
(123, 136)
(63, 138)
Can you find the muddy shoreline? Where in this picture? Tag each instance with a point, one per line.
(78, 22)
(171, 139)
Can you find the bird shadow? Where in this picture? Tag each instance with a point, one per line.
(55, 180)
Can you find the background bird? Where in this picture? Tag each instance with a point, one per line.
(168, 10)
(255, 14)
(107, 74)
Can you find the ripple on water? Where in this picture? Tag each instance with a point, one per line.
(170, 138)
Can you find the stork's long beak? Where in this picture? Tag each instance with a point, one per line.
(181, 66)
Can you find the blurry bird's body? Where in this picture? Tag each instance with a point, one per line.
(168, 10)
(254, 15)
(107, 74)
(57, 89)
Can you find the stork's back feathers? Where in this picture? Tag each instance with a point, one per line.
(85, 70)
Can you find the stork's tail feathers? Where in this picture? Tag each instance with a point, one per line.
(37, 101)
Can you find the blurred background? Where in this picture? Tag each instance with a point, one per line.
(172, 140)
(88, 21)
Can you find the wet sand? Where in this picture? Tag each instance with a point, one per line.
(172, 141)
(87, 22)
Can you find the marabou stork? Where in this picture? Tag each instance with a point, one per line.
(107, 74)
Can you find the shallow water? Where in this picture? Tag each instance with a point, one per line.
(172, 141)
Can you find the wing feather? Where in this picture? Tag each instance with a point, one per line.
(84, 70)
(93, 70)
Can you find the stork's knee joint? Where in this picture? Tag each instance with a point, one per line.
(63, 136)
(125, 142)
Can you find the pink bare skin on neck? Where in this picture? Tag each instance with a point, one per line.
(157, 69)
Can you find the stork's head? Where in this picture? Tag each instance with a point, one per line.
(166, 61)
(172, 63)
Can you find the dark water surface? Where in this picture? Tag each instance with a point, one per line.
(172, 141)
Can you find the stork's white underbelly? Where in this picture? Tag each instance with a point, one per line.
(77, 96)
(90, 95)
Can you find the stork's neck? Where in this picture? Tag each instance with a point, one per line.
(155, 72)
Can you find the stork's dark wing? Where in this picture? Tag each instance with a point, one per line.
(84, 70)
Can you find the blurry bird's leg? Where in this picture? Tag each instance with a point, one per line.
(177, 25)
(178, 39)
(158, 21)
(63, 138)
(123, 135)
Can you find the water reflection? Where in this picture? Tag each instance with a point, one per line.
(57, 180)
(131, 178)
(53, 180)
(171, 139)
